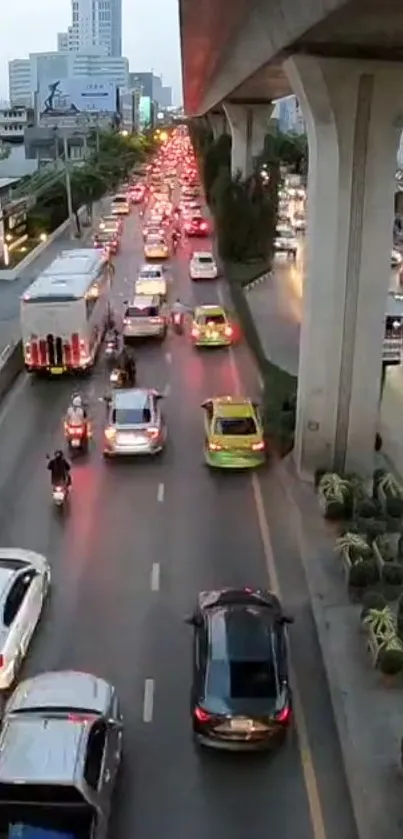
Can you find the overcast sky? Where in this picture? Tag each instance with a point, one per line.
(150, 35)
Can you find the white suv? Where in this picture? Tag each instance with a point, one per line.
(203, 267)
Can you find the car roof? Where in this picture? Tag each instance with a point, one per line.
(239, 632)
(150, 266)
(63, 689)
(227, 406)
(41, 749)
(202, 255)
(128, 399)
(201, 311)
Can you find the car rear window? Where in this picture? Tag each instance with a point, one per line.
(131, 416)
(150, 275)
(205, 260)
(239, 426)
(141, 312)
(242, 680)
(215, 319)
(120, 199)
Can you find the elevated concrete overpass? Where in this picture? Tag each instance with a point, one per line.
(344, 61)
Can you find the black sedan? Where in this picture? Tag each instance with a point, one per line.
(240, 696)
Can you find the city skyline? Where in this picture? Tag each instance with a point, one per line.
(151, 43)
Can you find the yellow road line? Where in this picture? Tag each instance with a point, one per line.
(306, 754)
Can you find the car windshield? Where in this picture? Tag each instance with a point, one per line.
(215, 320)
(238, 426)
(154, 240)
(141, 312)
(205, 260)
(131, 416)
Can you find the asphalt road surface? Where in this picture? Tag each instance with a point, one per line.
(140, 540)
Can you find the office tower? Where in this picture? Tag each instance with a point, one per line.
(19, 82)
(94, 23)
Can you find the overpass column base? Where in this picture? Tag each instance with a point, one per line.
(249, 125)
(353, 111)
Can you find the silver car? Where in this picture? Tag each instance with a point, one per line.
(145, 318)
(135, 423)
(60, 750)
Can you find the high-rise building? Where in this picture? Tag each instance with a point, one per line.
(151, 86)
(94, 23)
(166, 97)
(289, 115)
(19, 82)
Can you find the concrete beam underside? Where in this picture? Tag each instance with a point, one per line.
(248, 125)
(353, 111)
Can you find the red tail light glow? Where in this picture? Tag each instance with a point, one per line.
(284, 715)
(202, 716)
(156, 320)
(215, 447)
(1, 660)
(258, 447)
(153, 433)
(203, 226)
(126, 321)
(195, 332)
(228, 331)
(110, 433)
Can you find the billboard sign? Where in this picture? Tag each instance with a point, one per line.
(67, 97)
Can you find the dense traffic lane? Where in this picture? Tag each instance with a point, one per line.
(110, 610)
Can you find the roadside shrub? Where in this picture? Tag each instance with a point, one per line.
(390, 661)
(372, 600)
(245, 218)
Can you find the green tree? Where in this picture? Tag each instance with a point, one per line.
(245, 217)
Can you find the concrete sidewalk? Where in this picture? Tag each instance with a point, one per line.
(368, 715)
(10, 291)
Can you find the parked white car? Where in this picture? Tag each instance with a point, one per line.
(203, 266)
(24, 584)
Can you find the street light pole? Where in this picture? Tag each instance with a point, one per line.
(68, 185)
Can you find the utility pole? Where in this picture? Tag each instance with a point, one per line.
(68, 185)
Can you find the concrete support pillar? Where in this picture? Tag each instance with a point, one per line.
(249, 125)
(218, 124)
(353, 111)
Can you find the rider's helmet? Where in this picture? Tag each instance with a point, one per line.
(77, 402)
(59, 454)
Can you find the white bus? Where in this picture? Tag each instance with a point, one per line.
(64, 311)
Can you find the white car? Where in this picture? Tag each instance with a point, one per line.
(24, 584)
(203, 266)
(299, 223)
(285, 242)
(396, 258)
(151, 281)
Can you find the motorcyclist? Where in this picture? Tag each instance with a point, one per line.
(76, 412)
(178, 308)
(128, 365)
(59, 469)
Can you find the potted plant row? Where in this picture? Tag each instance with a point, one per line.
(384, 644)
(388, 554)
(335, 496)
(359, 565)
(389, 493)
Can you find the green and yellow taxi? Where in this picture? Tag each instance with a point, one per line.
(211, 327)
(233, 433)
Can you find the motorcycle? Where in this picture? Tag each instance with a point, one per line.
(178, 320)
(111, 349)
(120, 379)
(60, 494)
(77, 436)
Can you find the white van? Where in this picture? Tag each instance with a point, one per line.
(152, 280)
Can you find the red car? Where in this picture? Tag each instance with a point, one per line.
(196, 226)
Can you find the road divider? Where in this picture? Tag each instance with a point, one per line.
(11, 365)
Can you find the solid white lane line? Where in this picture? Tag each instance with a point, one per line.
(148, 701)
(155, 577)
(160, 493)
(168, 357)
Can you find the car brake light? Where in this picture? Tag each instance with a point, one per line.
(126, 321)
(228, 331)
(110, 433)
(202, 716)
(203, 226)
(81, 717)
(153, 433)
(156, 320)
(215, 447)
(28, 353)
(195, 332)
(258, 447)
(1, 660)
(284, 715)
